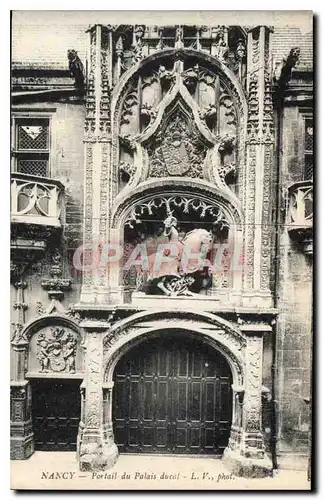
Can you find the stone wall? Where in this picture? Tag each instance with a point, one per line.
(294, 326)
(66, 165)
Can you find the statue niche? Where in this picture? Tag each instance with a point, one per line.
(178, 228)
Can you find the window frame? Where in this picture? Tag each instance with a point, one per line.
(17, 117)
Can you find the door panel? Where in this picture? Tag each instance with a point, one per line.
(56, 407)
(172, 395)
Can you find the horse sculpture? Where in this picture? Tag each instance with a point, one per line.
(172, 267)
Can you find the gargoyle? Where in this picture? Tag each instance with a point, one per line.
(76, 67)
(283, 71)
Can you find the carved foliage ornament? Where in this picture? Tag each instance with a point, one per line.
(56, 350)
(185, 204)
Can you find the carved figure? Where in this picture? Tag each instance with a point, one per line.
(190, 78)
(220, 49)
(179, 37)
(76, 67)
(226, 145)
(148, 114)
(42, 354)
(209, 114)
(166, 77)
(69, 355)
(175, 276)
(240, 50)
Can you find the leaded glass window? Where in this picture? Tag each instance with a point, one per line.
(31, 146)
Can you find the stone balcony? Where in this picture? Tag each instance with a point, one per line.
(37, 210)
(300, 214)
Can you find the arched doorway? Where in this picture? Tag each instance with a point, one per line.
(172, 394)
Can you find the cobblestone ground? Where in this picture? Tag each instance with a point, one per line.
(45, 470)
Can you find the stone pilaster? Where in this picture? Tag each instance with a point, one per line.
(21, 434)
(260, 161)
(98, 179)
(96, 447)
(246, 451)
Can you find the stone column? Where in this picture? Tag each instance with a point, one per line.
(258, 197)
(97, 450)
(99, 181)
(107, 414)
(248, 458)
(22, 438)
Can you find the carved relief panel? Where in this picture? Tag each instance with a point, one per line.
(55, 349)
(177, 118)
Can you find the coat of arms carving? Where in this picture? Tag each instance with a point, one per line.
(56, 350)
(177, 150)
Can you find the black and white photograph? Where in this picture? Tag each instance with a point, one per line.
(161, 247)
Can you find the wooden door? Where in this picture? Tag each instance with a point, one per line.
(172, 395)
(56, 409)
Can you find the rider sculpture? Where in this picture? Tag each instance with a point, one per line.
(171, 271)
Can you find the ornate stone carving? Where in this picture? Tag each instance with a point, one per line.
(176, 149)
(179, 35)
(220, 46)
(253, 385)
(190, 78)
(137, 47)
(20, 307)
(127, 169)
(129, 103)
(209, 114)
(166, 77)
(55, 285)
(40, 311)
(56, 350)
(226, 145)
(182, 202)
(283, 70)
(129, 141)
(227, 104)
(18, 335)
(240, 50)
(226, 171)
(74, 315)
(147, 114)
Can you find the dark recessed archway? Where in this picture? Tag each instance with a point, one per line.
(172, 394)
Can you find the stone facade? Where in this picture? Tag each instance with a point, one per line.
(190, 137)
